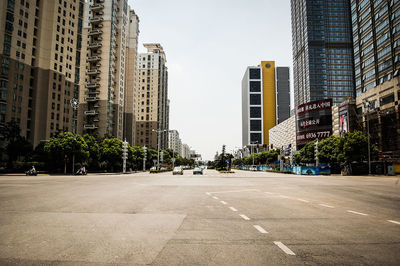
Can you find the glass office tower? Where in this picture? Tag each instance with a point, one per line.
(322, 50)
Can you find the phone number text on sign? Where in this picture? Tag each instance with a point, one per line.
(309, 136)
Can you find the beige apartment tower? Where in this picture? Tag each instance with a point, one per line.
(110, 27)
(40, 53)
(130, 77)
(152, 106)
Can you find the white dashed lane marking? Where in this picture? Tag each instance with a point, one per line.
(214, 197)
(233, 191)
(223, 202)
(359, 213)
(303, 200)
(244, 217)
(260, 229)
(208, 193)
(392, 221)
(284, 248)
(325, 205)
(233, 209)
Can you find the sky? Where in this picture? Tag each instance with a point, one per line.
(208, 45)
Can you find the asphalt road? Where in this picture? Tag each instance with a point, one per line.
(246, 218)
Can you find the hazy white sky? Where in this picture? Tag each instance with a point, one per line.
(209, 44)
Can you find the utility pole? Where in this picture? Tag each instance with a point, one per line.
(144, 158)
(367, 106)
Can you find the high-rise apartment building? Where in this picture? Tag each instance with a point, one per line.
(185, 151)
(282, 94)
(258, 103)
(130, 77)
(322, 50)
(152, 109)
(174, 142)
(104, 83)
(40, 53)
(376, 39)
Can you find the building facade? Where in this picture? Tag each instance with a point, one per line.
(103, 83)
(265, 98)
(130, 77)
(174, 142)
(152, 109)
(282, 94)
(283, 134)
(40, 53)
(322, 50)
(376, 41)
(185, 151)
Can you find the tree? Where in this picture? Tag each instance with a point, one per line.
(111, 153)
(94, 151)
(16, 145)
(329, 150)
(135, 156)
(306, 154)
(355, 148)
(65, 145)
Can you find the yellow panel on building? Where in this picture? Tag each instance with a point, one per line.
(269, 95)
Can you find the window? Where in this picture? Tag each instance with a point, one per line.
(254, 73)
(387, 99)
(255, 99)
(255, 112)
(255, 86)
(255, 125)
(255, 138)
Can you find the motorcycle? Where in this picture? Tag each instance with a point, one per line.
(30, 172)
(81, 172)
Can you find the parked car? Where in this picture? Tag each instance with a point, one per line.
(253, 168)
(153, 168)
(197, 170)
(177, 171)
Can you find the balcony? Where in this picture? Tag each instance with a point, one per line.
(90, 126)
(89, 92)
(93, 72)
(91, 112)
(93, 58)
(96, 7)
(94, 45)
(91, 99)
(95, 32)
(92, 85)
(95, 20)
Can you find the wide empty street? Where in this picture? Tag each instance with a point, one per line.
(245, 218)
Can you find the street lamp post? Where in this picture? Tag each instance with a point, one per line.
(367, 107)
(74, 105)
(252, 148)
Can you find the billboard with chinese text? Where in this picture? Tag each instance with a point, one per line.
(313, 121)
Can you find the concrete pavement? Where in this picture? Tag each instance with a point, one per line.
(250, 218)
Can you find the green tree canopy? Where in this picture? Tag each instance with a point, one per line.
(66, 144)
(111, 153)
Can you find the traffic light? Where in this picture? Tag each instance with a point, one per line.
(145, 152)
(125, 150)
